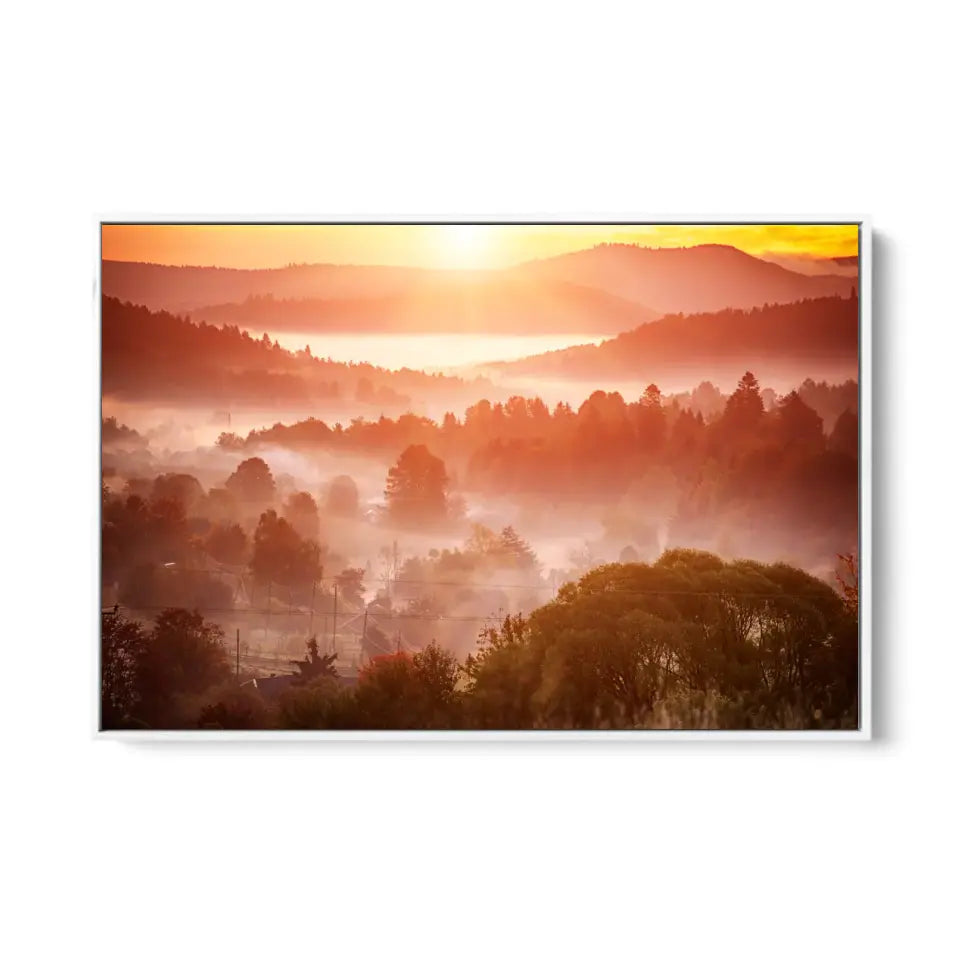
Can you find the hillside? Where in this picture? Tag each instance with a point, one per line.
(685, 279)
(182, 289)
(160, 356)
(493, 304)
(328, 298)
(824, 329)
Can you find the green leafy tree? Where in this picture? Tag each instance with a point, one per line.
(760, 645)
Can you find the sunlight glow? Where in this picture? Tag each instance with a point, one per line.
(445, 246)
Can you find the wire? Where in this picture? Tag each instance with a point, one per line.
(306, 613)
(477, 586)
(433, 618)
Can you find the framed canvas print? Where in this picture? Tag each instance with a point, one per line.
(555, 479)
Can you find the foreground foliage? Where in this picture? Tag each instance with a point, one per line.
(690, 641)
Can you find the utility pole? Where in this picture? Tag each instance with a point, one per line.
(363, 639)
(335, 590)
(266, 627)
(238, 654)
(313, 597)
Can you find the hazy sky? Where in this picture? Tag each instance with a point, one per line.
(259, 245)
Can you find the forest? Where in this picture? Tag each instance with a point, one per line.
(480, 305)
(479, 633)
(804, 331)
(671, 545)
(160, 356)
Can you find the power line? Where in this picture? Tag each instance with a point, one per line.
(477, 586)
(290, 612)
(306, 613)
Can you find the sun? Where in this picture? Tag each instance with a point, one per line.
(465, 245)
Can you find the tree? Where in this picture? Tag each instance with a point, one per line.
(150, 585)
(403, 692)
(252, 482)
(221, 506)
(181, 487)
(232, 707)
(651, 420)
(416, 489)
(513, 551)
(848, 580)
(845, 437)
(230, 441)
(183, 654)
(228, 544)
(744, 409)
(314, 666)
(281, 555)
(121, 642)
(797, 423)
(350, 584)
(343, 497)
(300, 511)
(652, 397)
(755, 645)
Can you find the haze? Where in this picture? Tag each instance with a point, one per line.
(390, 441)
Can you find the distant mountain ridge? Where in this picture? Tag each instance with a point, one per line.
(184, 288)
(694, 279)
(605, 289)
(500, 305)
(824, 329)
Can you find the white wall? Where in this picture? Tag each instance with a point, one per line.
(417, 109)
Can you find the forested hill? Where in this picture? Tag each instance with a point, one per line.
(605, 289)
(371, 299)
(181, 288)
(495, 305)
(160, 356)
(824, 329)
(689, 279)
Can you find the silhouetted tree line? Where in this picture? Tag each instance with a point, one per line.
(825, 328)
(770, 466)
(168, 542)
(159, 355)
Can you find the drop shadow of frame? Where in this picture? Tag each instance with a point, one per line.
(883, 507)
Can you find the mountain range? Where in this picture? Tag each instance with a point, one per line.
(687, 279)
(607, 289)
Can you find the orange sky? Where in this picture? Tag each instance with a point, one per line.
(419, 245)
